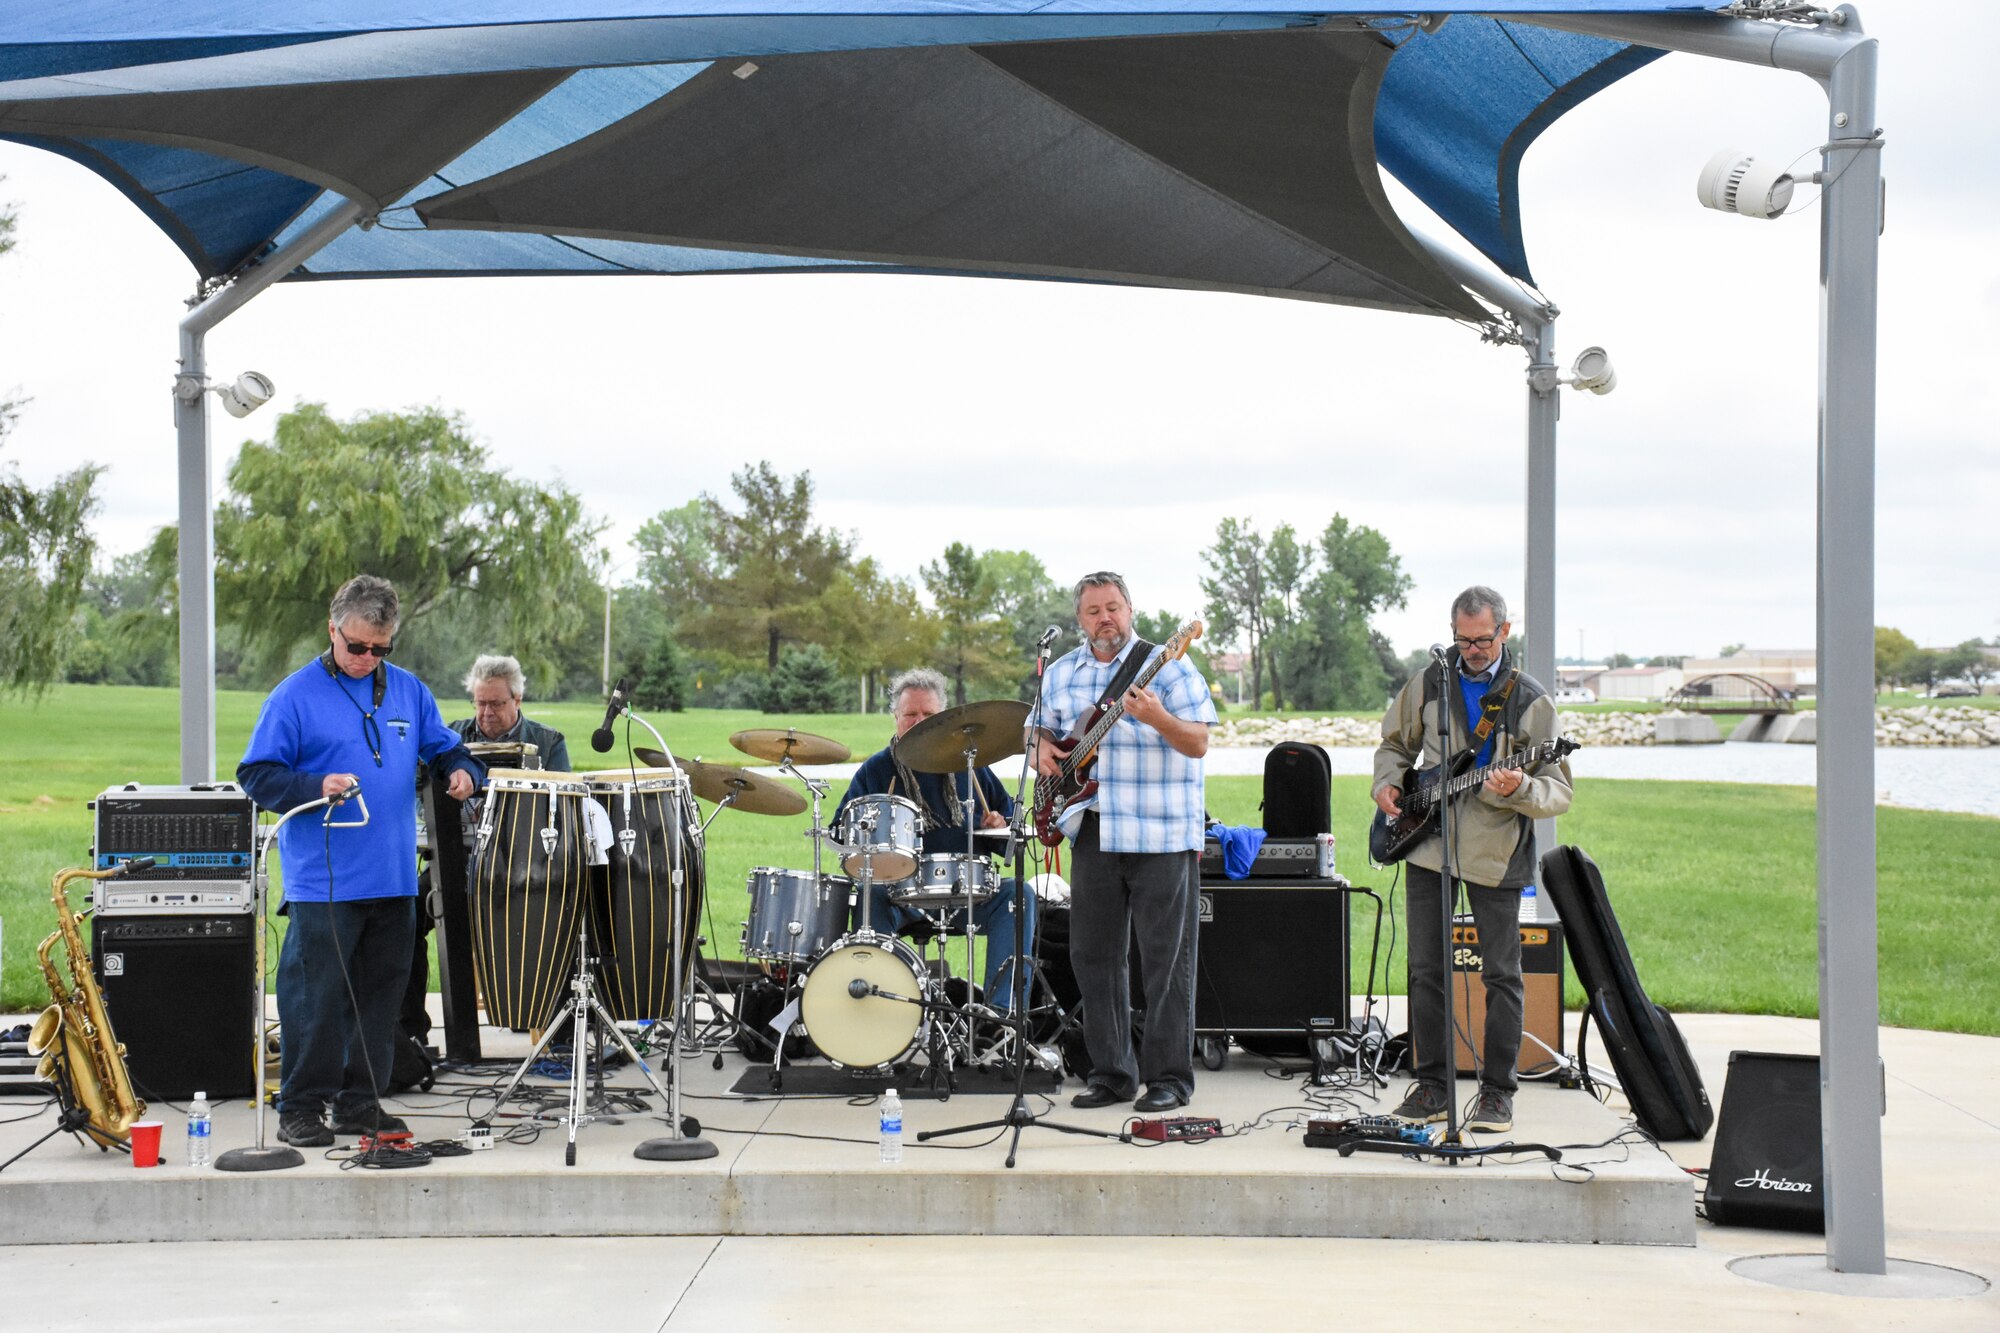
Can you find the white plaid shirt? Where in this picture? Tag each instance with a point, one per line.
(1149, 795)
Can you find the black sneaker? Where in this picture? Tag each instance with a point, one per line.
(1494, 1113)
(304, 1129)
(369, 1120)
(1423, 1104)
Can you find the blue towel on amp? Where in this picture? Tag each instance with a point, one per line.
(1239, 848)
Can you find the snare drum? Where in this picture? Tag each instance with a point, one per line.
(866, 1031)
(886, 826)
(941, 882)
(530, 871)
(793, 916)
(637, 916)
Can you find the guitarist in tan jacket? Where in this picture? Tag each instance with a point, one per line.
(1437, 716)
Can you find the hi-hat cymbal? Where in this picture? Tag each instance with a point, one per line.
(801, 747)
(715, 782)
(990, 730)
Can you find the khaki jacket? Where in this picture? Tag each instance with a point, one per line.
(1493, 835)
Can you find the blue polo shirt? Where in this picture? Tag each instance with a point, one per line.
(312, 725)
(1474, 689)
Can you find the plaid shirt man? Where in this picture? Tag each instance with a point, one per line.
(1149, 796)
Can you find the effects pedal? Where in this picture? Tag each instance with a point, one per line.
(1372, 1129)
(476, 1137)
(1177, 1129)
(395, 1140)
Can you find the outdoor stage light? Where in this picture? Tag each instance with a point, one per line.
(1592, 371)
(1735, 182)
(250, 391)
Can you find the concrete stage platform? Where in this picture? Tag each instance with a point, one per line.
(808, 1167)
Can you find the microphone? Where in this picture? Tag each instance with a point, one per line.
(1048, 636)
(858, 988)
(1440, 654)
(600, 740)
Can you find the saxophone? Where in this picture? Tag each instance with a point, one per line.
(73, 1035)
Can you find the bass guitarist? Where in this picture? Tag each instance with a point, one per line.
(1432, 721)
(1136, 847)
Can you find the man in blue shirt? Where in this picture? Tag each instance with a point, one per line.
(913, 697)
(347, 721)
(1136, 847)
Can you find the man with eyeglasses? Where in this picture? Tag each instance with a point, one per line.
(345, 722)
(1435, 717)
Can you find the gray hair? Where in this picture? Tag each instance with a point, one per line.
(919, 678)
(1479, 598)
(1103, 578)
(491, 666)
(370, 600)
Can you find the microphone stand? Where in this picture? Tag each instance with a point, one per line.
(282, 1156)
(1452, 697)
(1018, 1116)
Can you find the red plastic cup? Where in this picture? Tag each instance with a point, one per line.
(145, 1143)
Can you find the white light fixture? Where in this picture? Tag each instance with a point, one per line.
(1592, 372)
(248, 392)
(1736, 182)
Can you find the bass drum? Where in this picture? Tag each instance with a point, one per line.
(530, 872)
(866, 1031)
(636, 914)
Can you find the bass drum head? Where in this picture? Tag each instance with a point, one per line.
(871, 1031)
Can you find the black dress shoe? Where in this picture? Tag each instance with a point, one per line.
(1160, 1098)
(1094, 1096)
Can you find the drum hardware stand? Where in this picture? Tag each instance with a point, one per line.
(282, 1156)
(1018, 1116)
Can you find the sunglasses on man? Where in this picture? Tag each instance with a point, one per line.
(368, 649)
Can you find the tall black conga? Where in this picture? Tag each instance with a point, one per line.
(637, 915)
(530, 872)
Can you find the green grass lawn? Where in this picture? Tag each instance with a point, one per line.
(1714, 883)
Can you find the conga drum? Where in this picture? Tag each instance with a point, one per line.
(637, 916)
(530, 873)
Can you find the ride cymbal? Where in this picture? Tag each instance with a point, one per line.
(754, 795)
(991, 730)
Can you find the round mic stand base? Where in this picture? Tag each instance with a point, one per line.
(694, 1148)
(277, 1157)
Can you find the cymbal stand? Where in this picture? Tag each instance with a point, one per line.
(1018, 1116)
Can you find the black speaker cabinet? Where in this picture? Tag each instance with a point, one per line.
(177, 989)
(1270, 960)
(1541, 994)
(1767, 1169)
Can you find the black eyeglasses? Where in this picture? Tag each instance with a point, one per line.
(368, 649)
(1482, 643)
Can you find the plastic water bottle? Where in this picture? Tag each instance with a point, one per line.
(198, 1126)
(892, 1127)
(1529, 904)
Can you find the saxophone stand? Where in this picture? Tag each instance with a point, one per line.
(281, 1156)
(73, 1120)
(1018, 1116)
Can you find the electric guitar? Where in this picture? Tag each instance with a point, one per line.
(1072, 784)
(1425, 792)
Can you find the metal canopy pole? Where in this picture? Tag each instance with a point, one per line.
(1536, 322)
(197, 484)
(1842, 59)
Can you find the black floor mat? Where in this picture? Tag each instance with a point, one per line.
(821, 1080)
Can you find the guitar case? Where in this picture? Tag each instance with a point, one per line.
(1647, 1050)
(1298, 791)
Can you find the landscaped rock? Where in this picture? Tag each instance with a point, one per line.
(1893, 726)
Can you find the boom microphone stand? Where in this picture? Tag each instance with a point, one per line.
(1018, 1116)
(282, 1156)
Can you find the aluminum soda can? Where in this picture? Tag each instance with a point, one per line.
(1323, 865)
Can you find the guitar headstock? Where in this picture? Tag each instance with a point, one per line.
(1562, 746)
(1183, 637)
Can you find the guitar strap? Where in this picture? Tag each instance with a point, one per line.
(1135, 662)
(1489, 710)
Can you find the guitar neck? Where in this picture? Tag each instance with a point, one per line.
(1467, 781)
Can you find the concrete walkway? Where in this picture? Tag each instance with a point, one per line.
(1941, 1148)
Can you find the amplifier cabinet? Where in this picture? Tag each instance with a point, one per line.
(1541, 998)
(178, 989)
(1270, 959)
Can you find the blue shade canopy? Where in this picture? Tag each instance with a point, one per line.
(230, 121)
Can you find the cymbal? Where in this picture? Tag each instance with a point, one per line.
(714, 782)
(801, 747)
(991, 730)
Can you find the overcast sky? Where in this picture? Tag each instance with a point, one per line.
(1105, 427)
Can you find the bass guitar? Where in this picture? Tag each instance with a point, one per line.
(1426, 790)
(1072, 784)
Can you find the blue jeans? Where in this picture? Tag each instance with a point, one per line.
(993, 918)
(327, 1059)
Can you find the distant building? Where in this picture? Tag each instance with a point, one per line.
(1645, 682)
(1793, 670)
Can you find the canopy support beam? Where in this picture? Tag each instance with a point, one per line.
(197, 484)
(1842, 60)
